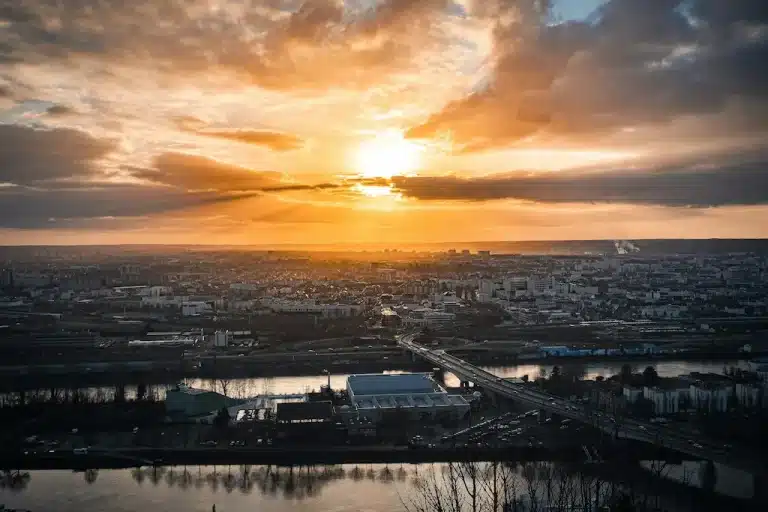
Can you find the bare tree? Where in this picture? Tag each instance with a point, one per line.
(224, 386)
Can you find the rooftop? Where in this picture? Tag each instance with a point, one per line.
(304, 411)
(391, 384)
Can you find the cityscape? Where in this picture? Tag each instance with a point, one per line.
(339, 363)
(384, 255)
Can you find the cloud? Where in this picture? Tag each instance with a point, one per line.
(274, 140)
(277, 45)
(199, 173)
(60, 111)
(635, 62)
(26, 208)
(724, 180)
(30, 155)
(277, 141)
(192, 172)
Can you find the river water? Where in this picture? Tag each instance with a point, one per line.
(364, 488)
(288, 385)
(371, 488)
(242, 388)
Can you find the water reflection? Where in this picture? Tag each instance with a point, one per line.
(249, 387)
(369, 486)
(15, 481)
(298, 482)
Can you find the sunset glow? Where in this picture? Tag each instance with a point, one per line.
(386, 155)
(238, 119)
(374, 190)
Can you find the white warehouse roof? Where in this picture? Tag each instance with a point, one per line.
(391, 384)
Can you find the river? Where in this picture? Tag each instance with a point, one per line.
(371, 488)
(248, 387)
(364, 488)
(240, 388)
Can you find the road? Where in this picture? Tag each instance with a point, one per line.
(628, 428)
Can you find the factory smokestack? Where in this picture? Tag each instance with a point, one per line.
(625, 247)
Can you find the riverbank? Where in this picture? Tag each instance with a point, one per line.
(39, 377)
(296, 455)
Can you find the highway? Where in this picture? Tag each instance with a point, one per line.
(626, 428)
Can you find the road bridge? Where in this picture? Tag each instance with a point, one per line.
(627, 428)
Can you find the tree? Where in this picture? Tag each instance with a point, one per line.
(599, 378)
(621, 503)
(224, 385)
(708, 476)
(524, 378)
(222, 418)
(555, 373)
(120, 393)
(650, 377)
(625, 376)
(141, 392)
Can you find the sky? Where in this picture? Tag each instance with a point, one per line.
(388, 121)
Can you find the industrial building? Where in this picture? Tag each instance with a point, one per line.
(307, 421)
(190, 402)
(405, 396)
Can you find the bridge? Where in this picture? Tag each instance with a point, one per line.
(627, 428)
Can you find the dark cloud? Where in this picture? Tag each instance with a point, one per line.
(31, 155)
(280, 45)
(60, 111)
(26, 208)
(195, 173)
(714, 181)
(192, 172)
(635, 62)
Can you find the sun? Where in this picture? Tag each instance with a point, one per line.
(387, 154)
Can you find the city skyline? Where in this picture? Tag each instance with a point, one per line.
(395, 122)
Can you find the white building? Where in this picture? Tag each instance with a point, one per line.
(665, 401)
(709, 397)
(222, 338)
(540, 285)
(632, 394)
(409, 396)
(748, 395)
(425, 317)
(314, 307)
(162, 301)
(195, 308)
